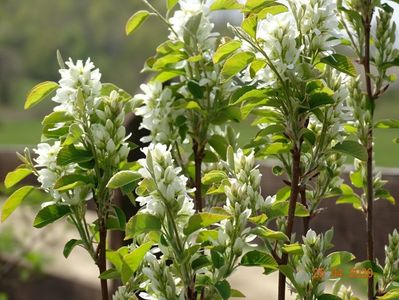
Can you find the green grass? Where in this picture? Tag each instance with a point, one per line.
(20, 132)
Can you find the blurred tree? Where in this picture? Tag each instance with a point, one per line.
(32, 30)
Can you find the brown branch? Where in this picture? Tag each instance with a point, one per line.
(296, 171)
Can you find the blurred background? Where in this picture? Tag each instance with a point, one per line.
(30, 33)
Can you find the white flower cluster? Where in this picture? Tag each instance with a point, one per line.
(312, 22)
(109, 132)
(202, 32)
(168, 189)
(49, 172)
(160, 284)
(391, 268)
(312, 270)
(244, 188)
(317, 20)
(279, 42)
(159, 116)
(77, 76)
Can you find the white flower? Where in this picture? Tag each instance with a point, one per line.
(169, 185)
(188, 9)
(47, 154)
(79, 75)
(311, 236)
(47, 178)
(157, 112)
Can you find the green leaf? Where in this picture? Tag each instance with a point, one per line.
(57, 117)
(123, 178)
(258, 220)
(200, 262)
(237, 294)
(293, 249)
(14, 201)
(391, 295)
(273, 10)
(219, 144)
(276, 148)
(267, 233)
(166, 61)
(110, 274)
(272, 129)
(254, 6)
(341, 63)
(319, 99)
(253, 96)
(70, 245)
(366, 264)
(352, 148)
(69, 154)
(142, 223)
(135, 258)
(356, 179)
(136, 21)
(195, 89)
(328, 297)
(224, 289)
(236, 63)
(257, 258)
(349, 197)
(249, 25)
(283, 193)
(70, 181)
(107, 88)
(225, 4)
(389, 123)
(50, 214)
(225, 50)
(202, 220)
(217, 259)
(214, 176)
(171, 3)
(340, 257)
(16, 176)
(280, 209)
(39, 93)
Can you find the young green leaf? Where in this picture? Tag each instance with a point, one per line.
(257, 258)
(225, 50)
(224, 289)
(39, 93)
(390, 295)
(136, 257)
(136, 21)
(352, 148)
(171, 3)
(294, 249)
(16, 176)
(339, 258)
(70, 181)
(142, 223)
(123, 178)
(341, 63)
(202, 220)
(389, 123)
(50, 214)
(70, 245)
(213, 176)
(69, 154)
(236, 64)
(225, 4)
(110, 274)
(14, 201)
